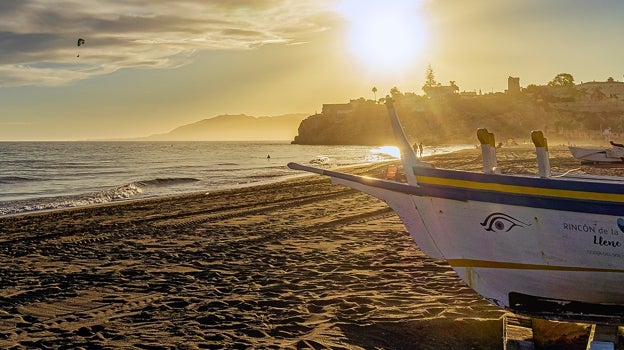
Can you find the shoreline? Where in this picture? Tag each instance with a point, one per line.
(287, 178)
(293, 264)
(78, 193)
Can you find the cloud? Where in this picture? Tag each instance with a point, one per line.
(38, 38)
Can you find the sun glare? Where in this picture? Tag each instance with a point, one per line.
(385, 35)
(391, 151)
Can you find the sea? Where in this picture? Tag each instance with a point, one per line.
(43, 176)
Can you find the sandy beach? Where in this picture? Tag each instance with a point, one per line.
(298, 264)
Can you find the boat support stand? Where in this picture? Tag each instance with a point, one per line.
(602, 337)
(518, 334)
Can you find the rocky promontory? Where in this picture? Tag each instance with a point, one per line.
(448, 121)
(454, 119)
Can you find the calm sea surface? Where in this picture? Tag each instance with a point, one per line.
(36, 176)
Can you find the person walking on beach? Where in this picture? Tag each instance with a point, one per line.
(420, 149)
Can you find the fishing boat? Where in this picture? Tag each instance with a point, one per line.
(587, 155)
(542, 245)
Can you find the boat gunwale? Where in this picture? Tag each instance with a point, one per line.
(562, 194)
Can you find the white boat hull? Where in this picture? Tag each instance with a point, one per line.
(596, 155)
(532, 260)
(545, 254)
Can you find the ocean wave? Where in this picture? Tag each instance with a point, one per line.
(53, 203)
(160, 182)
(321, 160)
(119, 193)
(379, 157)
(268, 175)
(15, 179)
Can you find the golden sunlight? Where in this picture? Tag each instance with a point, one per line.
(385, 35)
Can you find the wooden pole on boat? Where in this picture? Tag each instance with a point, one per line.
(484, 138)
(488, 151)
(541, 148)
(408, 157)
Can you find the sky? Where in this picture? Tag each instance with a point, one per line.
(149, 66)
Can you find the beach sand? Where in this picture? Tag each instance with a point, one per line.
(297, 264)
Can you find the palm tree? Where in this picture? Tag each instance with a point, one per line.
(454, 86)
(375, 92)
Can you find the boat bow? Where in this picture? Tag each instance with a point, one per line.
(536, 244)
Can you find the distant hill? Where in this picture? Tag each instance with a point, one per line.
(236, 128)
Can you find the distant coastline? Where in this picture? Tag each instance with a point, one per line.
(232, 127)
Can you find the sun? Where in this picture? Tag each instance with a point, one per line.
(385, 35)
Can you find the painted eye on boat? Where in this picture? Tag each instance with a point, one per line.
(499, 222)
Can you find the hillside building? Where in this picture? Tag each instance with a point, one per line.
(335, 109)
(513, 85)
(441, 91)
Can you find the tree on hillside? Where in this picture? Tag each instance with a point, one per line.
(562, 79)
(454, 86)
(429, 78)
(430, 81)
(532, 89)
(375, 92)
(394, 92)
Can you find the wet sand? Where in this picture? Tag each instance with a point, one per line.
(298, 264)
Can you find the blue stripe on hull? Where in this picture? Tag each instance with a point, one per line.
(532, 201)
(596, 189)
(548, 186)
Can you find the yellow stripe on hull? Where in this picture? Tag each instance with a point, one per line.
(518, 266)
(525, 190)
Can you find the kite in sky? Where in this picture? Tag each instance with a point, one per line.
(79, 43)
